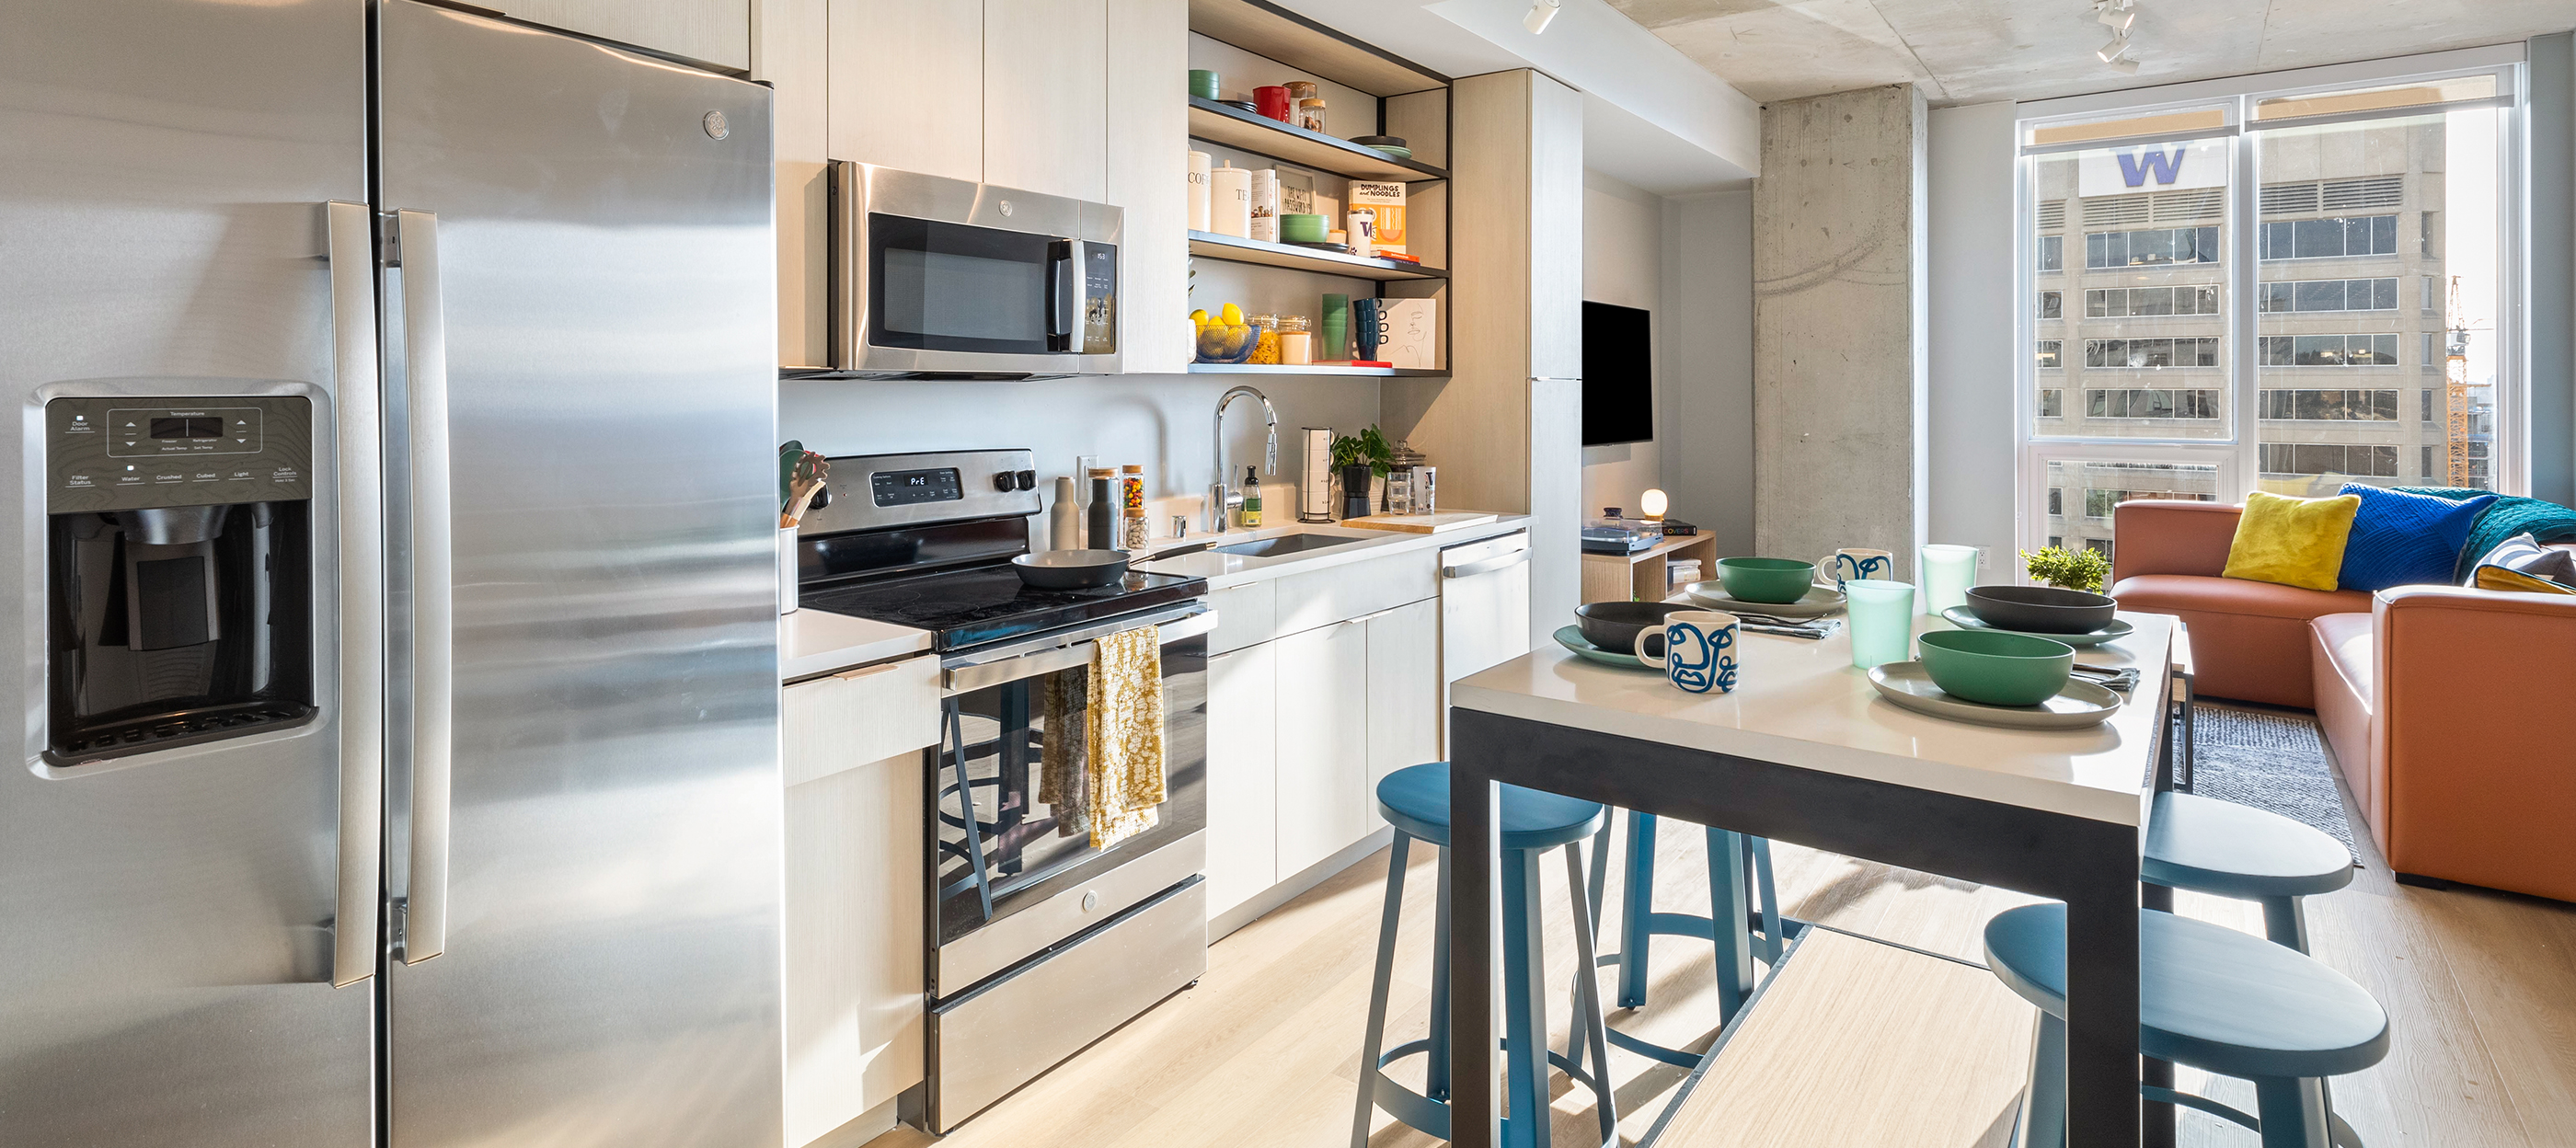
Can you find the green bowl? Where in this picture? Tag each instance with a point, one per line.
(1773, 580)
(1996, 668)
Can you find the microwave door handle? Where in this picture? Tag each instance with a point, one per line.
(1064, 294)
(349, 231)
(432, 587)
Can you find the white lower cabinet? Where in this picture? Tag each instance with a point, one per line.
(1242, 775)
(1404, 693)
(852, 925)
(1323, 743)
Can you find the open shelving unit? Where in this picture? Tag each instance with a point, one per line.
(1401, 98)
(1315, 259)
(1245, 131)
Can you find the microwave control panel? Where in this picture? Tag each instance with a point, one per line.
(1100, 299)
(137, 452)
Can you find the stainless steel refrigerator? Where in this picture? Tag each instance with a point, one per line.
(397, 620)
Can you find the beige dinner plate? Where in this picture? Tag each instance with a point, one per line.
(2078, 705)
(1820, 601)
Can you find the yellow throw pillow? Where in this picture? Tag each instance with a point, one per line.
(2292, 541)
(2499, 578)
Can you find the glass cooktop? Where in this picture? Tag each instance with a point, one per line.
(978, 605)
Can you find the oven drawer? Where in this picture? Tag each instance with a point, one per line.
(1001, 1036)
(1006, 941)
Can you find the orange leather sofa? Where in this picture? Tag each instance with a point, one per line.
(2445, 706)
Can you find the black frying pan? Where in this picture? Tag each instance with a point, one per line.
(1071, 569)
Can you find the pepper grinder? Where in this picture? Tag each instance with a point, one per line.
(1104, 510)
(1064, 519)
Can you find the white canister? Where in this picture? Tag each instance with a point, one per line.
(1230, 201)
(1363, 229)
(1265, 205)
(1200, 162)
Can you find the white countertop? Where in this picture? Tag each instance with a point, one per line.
(1224, 570)
(1801, 703)
(814, 641)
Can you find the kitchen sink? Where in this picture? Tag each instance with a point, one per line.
(1285, 544)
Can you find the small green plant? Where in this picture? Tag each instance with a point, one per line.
(1368, 446)
(2082, 568)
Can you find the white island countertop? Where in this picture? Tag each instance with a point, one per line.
(1800, 702)
(1226, 570)
(814, 642)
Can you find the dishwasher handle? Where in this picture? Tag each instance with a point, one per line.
(1503, 561)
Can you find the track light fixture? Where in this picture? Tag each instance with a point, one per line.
(2125, 66)
(2119, 16)
(2118, 46)
(1541, 11)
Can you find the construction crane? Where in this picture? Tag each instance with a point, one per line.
(2455, 395)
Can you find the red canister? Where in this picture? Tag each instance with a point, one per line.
(1273, 102)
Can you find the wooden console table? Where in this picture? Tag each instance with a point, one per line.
(1639, 577)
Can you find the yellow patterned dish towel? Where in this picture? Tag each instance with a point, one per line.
(1125, 734)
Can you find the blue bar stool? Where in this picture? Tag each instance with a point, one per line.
(1415, 800)
(1739, 874)
(2220, 847)
(2209, 997)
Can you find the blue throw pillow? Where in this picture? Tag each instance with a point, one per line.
(2401, 539)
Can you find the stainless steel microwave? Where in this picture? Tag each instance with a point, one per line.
(942, 278)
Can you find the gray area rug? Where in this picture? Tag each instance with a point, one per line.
(2271, 761)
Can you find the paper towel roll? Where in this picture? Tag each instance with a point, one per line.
(1200, 162)
(1230, 201)
(1265, 205)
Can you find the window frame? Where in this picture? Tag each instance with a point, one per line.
(2236, 455)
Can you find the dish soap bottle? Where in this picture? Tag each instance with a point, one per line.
(1251, 500)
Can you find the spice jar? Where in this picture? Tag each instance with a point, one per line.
(1265, 346)
(1310, 115)
(1132, 530)
(1296, 340)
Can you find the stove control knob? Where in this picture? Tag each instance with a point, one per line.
(1003, 481)
(1028, 480)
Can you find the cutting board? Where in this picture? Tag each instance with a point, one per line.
(1423, 523)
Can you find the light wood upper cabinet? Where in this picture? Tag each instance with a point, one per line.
(711, 31)
(790, 52)
(1149, 127)
(1242, 775)
(907, 85)
(1046, 96)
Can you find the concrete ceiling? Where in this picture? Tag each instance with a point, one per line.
(1974, 51)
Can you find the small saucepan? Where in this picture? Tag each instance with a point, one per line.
(1071, 569)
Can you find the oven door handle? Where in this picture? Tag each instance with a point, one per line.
(1030, 660)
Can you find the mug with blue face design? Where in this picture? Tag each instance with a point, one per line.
(1852, 562)
(1700, 648)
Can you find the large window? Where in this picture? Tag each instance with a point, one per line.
(2278, 290)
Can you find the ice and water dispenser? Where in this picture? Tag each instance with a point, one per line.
(178, 571)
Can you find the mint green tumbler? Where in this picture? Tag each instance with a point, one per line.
(1882, 620)
(1946, 571)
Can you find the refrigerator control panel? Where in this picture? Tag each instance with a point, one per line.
(138, 452)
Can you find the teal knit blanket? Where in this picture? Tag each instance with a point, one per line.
(2508, 515)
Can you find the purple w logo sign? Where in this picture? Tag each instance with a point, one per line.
(2136, 166)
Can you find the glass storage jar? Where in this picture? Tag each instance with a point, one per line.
(1265, 347)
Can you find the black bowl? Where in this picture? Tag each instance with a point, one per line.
(1614, 626)
(2041, 609)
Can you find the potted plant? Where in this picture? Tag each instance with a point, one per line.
(1361, 457)
(2081, 568)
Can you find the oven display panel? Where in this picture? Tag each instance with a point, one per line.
(906, 487)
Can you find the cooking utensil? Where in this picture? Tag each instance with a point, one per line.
(1070, 569)
(805, 481)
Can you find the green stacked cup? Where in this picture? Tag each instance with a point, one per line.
(1203, 83)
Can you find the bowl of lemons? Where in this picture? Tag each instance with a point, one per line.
(1224, 337)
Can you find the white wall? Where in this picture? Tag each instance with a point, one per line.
(1704, 367)
(1160, 421)
(1973, 345)
(1623, 231)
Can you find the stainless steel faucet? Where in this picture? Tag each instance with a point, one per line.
(1223, 499)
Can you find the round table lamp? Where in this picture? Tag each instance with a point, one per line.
(1651, 504)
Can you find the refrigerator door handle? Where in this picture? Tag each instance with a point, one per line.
(424, 933)
(349, 231)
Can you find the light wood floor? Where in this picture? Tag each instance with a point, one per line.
(2481, 989)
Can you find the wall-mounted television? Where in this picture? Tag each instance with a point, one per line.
(1618, 374)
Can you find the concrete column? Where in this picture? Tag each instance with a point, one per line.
(1840, 380)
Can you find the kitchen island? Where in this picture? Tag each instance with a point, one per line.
(1805, 751)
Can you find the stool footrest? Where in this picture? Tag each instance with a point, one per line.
(2163, 1095)
(1430, 1115)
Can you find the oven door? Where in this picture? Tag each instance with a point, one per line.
(1015, 873)
(940, 277)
